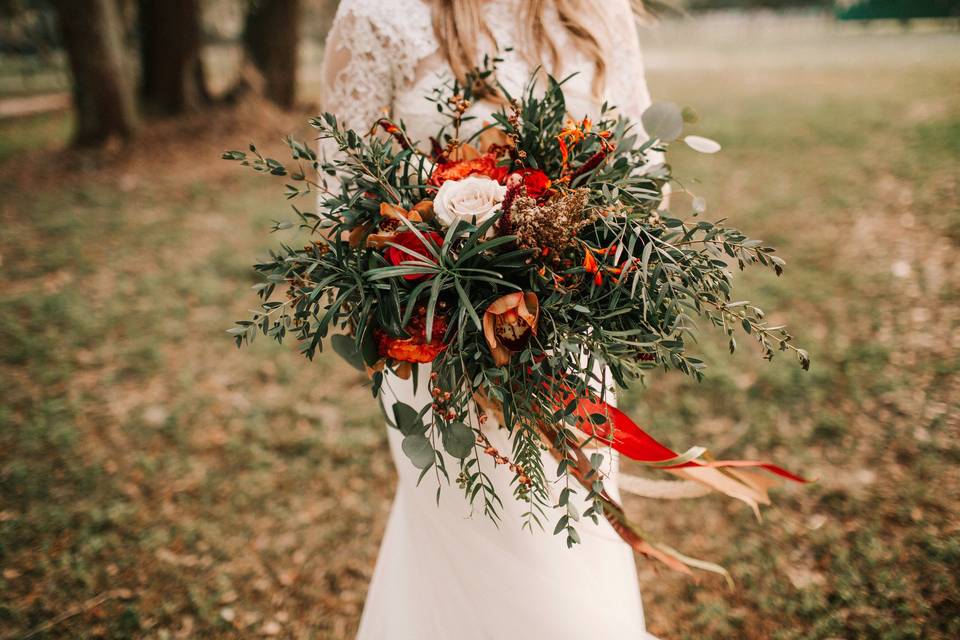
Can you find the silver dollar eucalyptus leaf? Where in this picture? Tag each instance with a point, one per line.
(458, 440)
(663, 120)
(419, 450)
(701, 144)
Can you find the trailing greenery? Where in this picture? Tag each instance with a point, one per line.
(620, 298)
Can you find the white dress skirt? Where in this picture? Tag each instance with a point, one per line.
(444, 573)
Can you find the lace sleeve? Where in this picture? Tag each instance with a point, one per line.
(357, 78)
(357, 75)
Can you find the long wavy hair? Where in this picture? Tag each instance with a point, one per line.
(459, 24)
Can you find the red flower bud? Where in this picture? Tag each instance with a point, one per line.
(534, 180)
(410, 240)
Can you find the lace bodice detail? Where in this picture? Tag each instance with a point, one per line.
(382, 58)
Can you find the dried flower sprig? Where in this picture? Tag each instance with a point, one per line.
(553, 228)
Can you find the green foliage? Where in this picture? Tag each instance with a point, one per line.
(898, 9)
(458, 440)
(623, 298)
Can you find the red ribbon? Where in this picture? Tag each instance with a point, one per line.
(625, 436)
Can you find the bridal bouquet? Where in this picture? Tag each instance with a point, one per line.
(532, 267)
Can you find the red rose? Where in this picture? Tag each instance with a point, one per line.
(414, 348)
(408, 239)
(534, 180)
(485, 165)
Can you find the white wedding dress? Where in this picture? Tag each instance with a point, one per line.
(443, 571)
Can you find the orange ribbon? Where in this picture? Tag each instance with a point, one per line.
(625, 436)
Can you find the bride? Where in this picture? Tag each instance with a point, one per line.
(442, 574)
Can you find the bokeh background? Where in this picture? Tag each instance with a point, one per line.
(156, 482)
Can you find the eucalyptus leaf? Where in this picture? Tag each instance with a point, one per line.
(701, 144)
(418, 448)
(458, 440)
(347, 349)
(407, 419)
(663, 121)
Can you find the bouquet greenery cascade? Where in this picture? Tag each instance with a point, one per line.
(533, 267)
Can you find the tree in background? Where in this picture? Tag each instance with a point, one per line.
(695, 5)
(102, 89)
(167, 38)
(271, 36)
(902, 10)
(171, 39)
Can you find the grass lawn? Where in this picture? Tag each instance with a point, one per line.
(156, 482)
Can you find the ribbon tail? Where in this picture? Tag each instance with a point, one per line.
(661, 489)
(757, 481)
(615, 428)
(615, 515)
(759, 464)
(724, 484)
(733, 478)
(618, 521)
(611, 426)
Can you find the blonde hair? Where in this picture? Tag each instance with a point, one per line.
(458, 25)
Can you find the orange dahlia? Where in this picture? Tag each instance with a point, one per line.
(485, 165)
(415, 348)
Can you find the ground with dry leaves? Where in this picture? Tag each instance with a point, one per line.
(156, 482)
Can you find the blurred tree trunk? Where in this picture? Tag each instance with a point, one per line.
(103, 93)
(272, 37)
(171, 37)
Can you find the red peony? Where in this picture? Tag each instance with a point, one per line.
(485, 165)
(414, 348)
(411, 241)
(534, 180)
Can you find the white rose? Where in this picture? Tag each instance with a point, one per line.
(472, 200)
